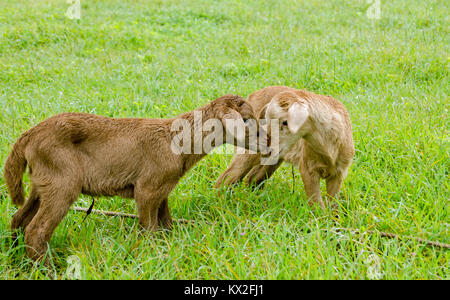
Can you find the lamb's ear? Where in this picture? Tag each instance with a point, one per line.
(267, 109)
(297, 116)
(263, 117)
(263, 112)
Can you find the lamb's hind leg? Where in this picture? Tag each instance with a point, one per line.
(25, 214)
(55, 202)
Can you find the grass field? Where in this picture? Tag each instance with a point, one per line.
(162, 58)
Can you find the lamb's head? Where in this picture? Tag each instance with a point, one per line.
(287, 120)
(239, 121)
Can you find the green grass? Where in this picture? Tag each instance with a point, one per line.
(162, 58)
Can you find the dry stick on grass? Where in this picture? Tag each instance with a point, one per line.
(355, 231)
(124, 215)
(395, 236)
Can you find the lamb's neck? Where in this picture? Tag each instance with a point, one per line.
(322, 127)
(195, 121)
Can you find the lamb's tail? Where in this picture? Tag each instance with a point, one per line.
(15, 166)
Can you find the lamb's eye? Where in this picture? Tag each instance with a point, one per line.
(284, 123)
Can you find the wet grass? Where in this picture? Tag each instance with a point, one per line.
(162, 58)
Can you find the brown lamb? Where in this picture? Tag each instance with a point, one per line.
(73, 153)
(315, 134)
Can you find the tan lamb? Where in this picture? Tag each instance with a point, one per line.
(73, 153)
(315, 134)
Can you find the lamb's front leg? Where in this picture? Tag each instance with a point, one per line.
(238, 168)
(311, 182)
(148, 202)
(260, 173)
